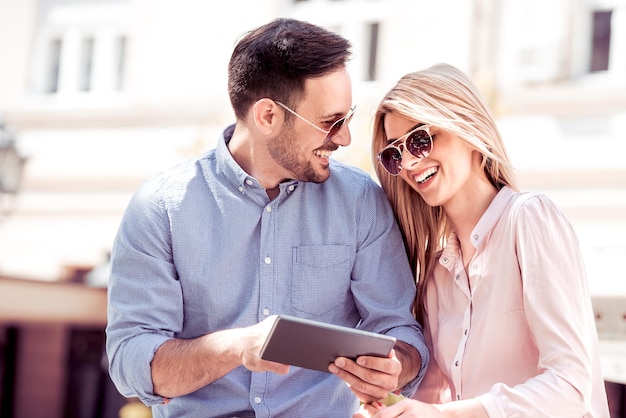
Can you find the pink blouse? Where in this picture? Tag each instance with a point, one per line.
(517, 329)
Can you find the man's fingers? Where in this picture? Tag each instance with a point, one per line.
(367, 384)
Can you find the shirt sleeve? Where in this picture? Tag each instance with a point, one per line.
(141, 273)
(559, 313)
(382, 283)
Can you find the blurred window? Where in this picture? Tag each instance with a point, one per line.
(54, 65)
(601, 42)
(373, 51)
(82, 47)
(120, 57)
(86, 64)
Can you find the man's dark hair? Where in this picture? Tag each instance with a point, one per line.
(275, 59)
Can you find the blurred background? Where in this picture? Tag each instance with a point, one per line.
(98, 95)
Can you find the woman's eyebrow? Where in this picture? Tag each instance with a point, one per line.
(392, 140)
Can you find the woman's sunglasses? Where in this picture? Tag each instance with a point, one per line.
(334, 128)
(418, 142)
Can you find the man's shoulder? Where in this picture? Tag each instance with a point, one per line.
(181, 171)
(174, 179)
(350, 175)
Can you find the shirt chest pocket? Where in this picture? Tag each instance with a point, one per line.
(321, 277)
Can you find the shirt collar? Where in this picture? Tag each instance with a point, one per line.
(227, 164)
(484, 226)
(491, 216)
(233, 171)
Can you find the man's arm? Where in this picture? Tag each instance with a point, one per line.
(410, 360)
(182, 366)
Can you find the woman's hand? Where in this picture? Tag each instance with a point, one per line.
(412, 408)
(406, 408)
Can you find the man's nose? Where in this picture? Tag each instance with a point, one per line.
(343, 137)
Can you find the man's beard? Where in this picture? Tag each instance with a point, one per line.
(284, 153)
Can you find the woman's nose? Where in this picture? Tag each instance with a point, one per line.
(408, 160)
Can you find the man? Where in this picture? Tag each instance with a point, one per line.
(264, 224)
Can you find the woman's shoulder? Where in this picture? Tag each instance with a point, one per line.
(525, 201)
(539, 209)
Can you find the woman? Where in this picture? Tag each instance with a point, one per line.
(502, 291)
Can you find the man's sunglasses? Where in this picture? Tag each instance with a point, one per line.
(334, 128)
(418, 142)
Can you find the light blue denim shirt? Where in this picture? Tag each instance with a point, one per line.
(201, 248)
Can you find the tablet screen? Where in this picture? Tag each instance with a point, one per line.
(314, 345)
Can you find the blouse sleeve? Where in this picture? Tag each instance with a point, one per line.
(559, 313)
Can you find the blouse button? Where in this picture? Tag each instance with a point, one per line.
(475, 266)
(444, 260)
(458, 276)
(476, 236)
(456, 363)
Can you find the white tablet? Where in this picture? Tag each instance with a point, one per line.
(314, 345)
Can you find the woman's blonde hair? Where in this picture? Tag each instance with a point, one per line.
(445, 98)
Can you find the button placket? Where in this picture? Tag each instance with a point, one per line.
(457, 365)
(267, 273)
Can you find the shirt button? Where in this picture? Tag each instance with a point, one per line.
(444, 260)
(249, 182)
(257, 400)
(458, 276)
(475, 266)
(456, 363)
(291, 188)
(476, 236)
(466, 331)
(268, 260)
(268, 209)
(241, 189)
(266, 312)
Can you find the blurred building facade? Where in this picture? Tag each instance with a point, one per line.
(101, 94)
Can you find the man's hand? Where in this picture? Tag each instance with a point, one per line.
(372, 378)
(252, 342)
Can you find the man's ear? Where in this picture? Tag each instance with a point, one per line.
(265, 115)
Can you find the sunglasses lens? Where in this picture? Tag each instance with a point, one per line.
(419, 144)
(334, 130)
(336, 127)
(391, 159)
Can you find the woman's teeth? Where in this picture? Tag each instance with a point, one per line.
(426, 175)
